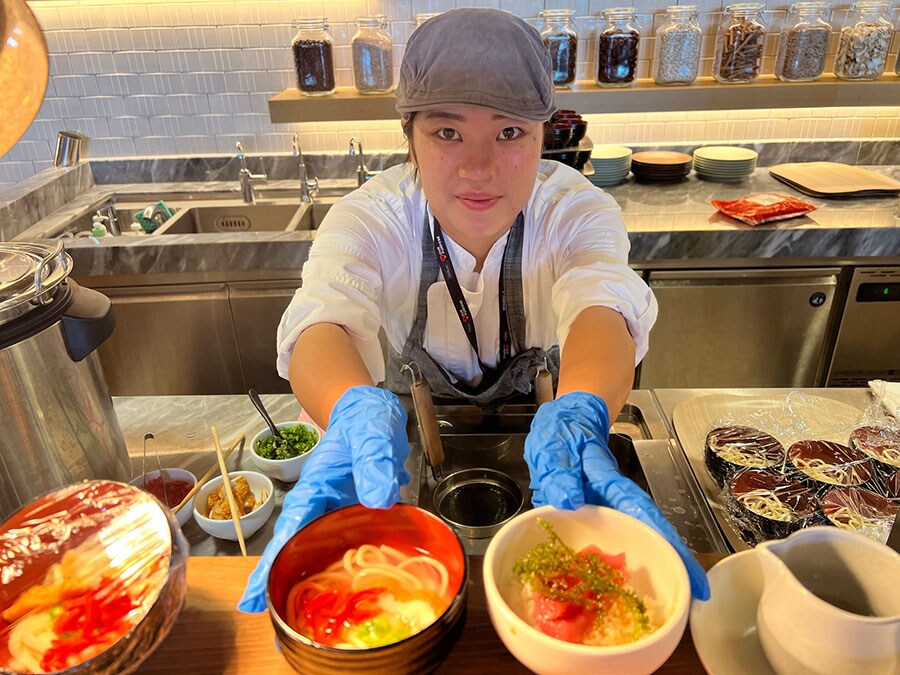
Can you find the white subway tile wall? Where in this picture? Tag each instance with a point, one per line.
(162, 78)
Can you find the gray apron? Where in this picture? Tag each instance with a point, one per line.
(511, 378)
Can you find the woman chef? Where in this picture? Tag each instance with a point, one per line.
(479, 261)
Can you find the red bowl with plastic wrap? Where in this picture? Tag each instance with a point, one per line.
(363, 590)
(94, 576)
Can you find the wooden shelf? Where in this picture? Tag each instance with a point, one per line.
(642, 96)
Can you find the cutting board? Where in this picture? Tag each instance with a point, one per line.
(833, 179)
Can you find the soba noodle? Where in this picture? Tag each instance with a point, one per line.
(764, 503)
(889, 455)
(373, 595)
(824, 472)
(851, 519)
(742, 456)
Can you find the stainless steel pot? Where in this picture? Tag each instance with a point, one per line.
(57, 423)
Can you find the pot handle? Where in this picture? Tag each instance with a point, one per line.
(87, 322)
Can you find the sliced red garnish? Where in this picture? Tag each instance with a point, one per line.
(562, 620)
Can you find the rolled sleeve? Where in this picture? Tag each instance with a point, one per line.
(341, 284)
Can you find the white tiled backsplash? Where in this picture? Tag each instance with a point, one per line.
(164, 78)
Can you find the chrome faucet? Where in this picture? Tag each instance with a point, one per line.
(308, 186)
(362, 173)
(248, 179)
(107, 213)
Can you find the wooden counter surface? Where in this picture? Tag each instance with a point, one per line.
(212, 637)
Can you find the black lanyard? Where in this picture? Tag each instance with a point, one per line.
(459, 300)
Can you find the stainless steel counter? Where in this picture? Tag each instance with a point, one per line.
(181, 426)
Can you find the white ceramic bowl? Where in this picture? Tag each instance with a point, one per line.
(187, 510)
(251, 522)
(656, 572)
(287, 470)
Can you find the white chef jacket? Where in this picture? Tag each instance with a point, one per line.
(364, 267)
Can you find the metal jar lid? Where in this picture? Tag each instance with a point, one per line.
(30, 274)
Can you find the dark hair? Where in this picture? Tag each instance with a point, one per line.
(407, 126)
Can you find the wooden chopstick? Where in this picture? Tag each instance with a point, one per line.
(209, 474)
(226, 482)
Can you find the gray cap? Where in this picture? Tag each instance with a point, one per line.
(479, 57)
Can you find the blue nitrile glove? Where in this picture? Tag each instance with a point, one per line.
(570, 464)
(359, 459)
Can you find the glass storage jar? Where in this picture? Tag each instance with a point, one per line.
(422, 18)
(739, 44)
(676, 57)
(313, 49)
(803, 44)
(863, 44)
(373, 57)
(561, 41)
(617, 48)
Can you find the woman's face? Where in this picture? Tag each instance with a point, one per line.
(477, 169)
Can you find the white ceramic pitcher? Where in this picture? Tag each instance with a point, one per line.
(831, 604)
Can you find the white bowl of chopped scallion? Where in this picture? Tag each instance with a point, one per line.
(283, 459)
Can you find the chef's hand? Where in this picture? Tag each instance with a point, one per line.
(359, 459)
(570, 465)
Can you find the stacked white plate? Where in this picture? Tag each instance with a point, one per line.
(724, 164)
(611, 164)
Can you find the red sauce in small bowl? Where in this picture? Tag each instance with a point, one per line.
(175, 490)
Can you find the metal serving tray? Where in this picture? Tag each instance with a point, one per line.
(833, 413)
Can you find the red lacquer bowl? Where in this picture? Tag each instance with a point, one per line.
(324, 541)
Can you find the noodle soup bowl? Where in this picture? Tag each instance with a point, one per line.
(763, 504)
(826, 464)
(88, 546)
(657, 576)
(325, 541)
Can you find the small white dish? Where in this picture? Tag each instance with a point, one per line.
(187, 510)
(287, 470)
(250, 522)
(724, 627)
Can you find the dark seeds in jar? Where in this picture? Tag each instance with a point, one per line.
(315, 65)
(805, 50)
(617, 57)
(563, 54)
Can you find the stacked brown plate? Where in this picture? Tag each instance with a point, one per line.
(660, 166)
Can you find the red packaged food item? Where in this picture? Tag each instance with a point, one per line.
(763, 208)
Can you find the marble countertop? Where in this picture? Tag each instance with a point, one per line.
(668, 225)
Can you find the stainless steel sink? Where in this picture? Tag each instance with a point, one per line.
(473, 439)
(236, 217)
(313, 214)
(271, 215)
